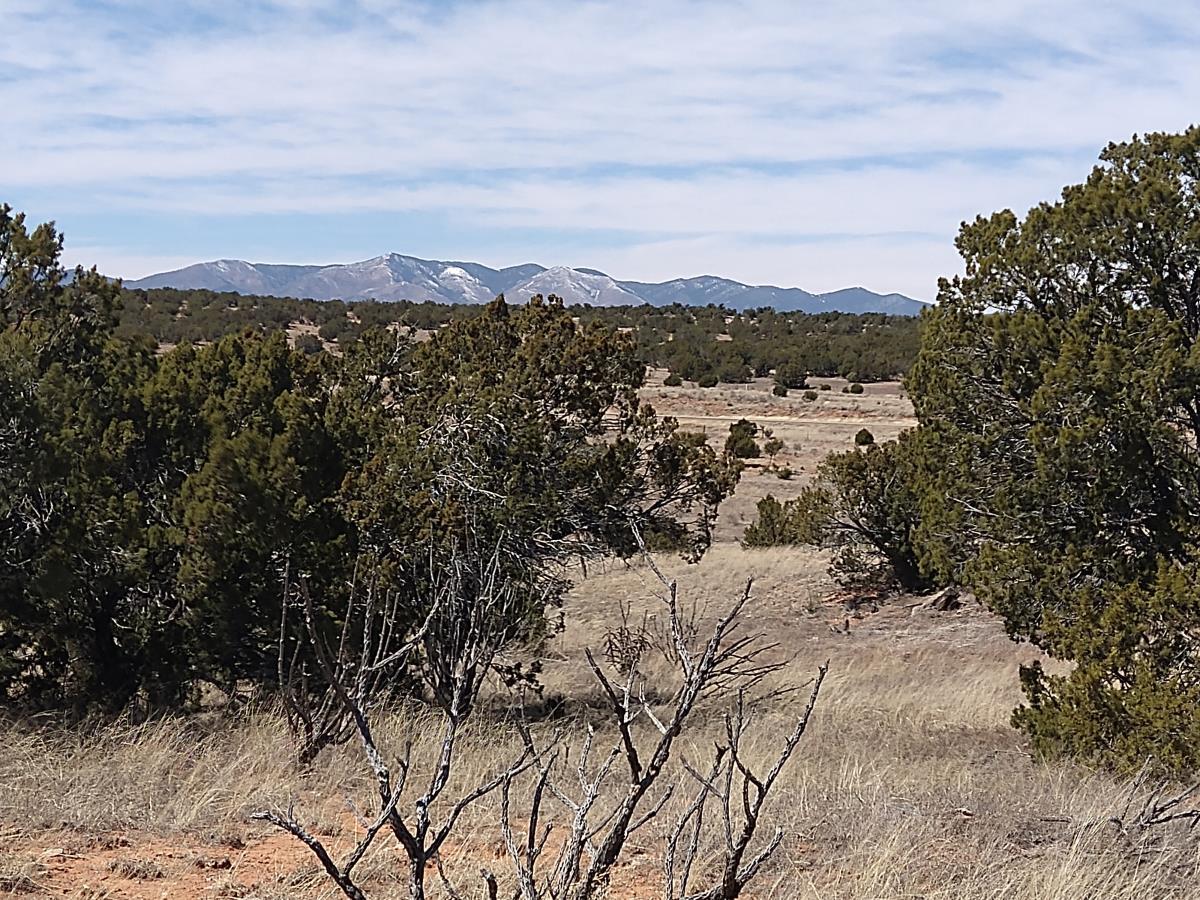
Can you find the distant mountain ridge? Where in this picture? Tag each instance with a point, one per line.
(397, 277)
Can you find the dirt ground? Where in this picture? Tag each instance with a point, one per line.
(810, 430)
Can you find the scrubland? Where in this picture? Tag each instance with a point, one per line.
(909, 782)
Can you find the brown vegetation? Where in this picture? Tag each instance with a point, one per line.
(910, 781)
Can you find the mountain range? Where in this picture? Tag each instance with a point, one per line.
(398, 277)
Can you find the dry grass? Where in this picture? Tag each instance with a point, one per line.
(21, 876)
(135, 868)
(810, 429)
(909, 784)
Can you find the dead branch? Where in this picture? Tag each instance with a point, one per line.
(362, 666)
(729, 779)
(469, 617)
(475, 603)
(1149, 805)
(728, 662)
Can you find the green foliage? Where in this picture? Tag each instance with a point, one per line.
(688, 341)
(672, 380)
(78, 487)
(147, 501)
(707, 380)
(1130, 697)
(810, 396)
(742, 443)
(779, 390)
(862, 505)
(792, 373)
(863, 437)
(248, 425)
(826, 386)
(854, 388)
(556, 429)
(1058, 391)
(777, 525)
(340, 328)
(151, 504)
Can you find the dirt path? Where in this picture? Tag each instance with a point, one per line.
(822, 421)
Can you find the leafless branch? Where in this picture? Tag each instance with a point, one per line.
(469, 616)
(727, 663)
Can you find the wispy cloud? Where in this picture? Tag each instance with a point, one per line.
(673, 135)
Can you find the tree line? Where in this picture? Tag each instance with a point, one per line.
(693, 343)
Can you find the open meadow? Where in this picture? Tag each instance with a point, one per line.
(908, 783)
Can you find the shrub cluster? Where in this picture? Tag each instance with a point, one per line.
(1054, 467)
(152, 503)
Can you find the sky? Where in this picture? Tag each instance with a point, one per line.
(818, 145)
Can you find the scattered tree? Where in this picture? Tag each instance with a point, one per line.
(792, 374)
(742, 443)
(772, 445)
(862, 506)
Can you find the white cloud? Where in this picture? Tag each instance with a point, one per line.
(673, 121)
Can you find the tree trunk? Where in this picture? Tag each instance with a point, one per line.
(416, 878)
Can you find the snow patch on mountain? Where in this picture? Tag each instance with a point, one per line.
(395, 276)
(576, 287)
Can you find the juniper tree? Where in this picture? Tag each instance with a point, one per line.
(150, 504)
(1058, 391)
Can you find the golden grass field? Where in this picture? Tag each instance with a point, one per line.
(908, 784)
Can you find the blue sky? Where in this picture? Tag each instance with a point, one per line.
(772, 141)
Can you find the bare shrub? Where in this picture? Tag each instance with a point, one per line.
(473, 611)
(625, 645)
(616, 794)
(729, 663)
(362, 659)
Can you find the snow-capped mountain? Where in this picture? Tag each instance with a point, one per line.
(575, 286)
(734, 295)
(399, 277)
(229, 275)
(393, 277)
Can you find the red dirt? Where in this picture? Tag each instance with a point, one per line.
(141, 867)
(146, 867)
